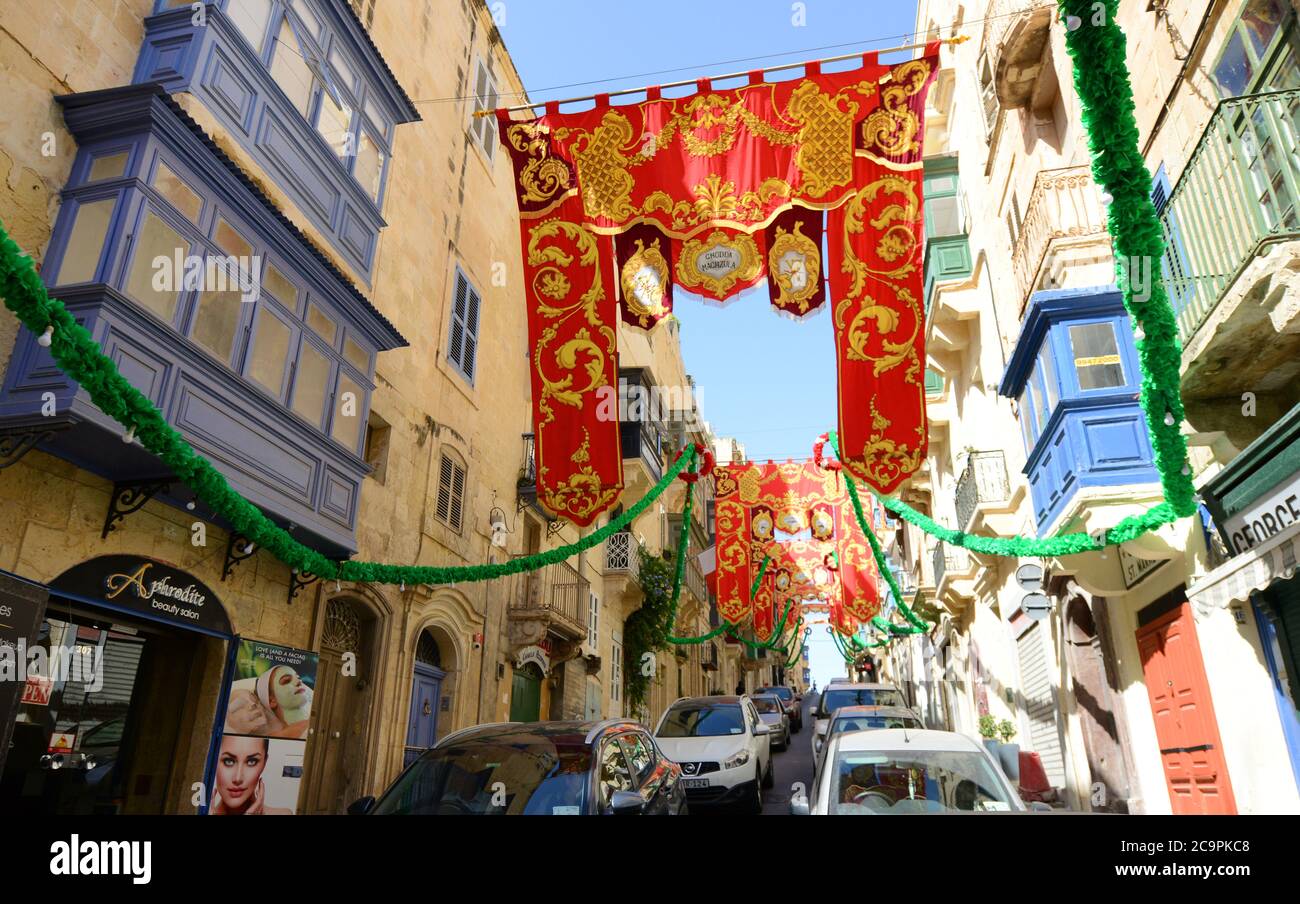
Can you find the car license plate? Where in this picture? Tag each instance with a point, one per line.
(695, 783)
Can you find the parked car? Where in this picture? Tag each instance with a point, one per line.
(866, 718)
(723, 747)
(846, 693)
(772, 711)
(792, 707)
(894, 771)
(612, 767)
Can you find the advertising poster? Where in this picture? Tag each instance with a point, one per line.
(264, 739)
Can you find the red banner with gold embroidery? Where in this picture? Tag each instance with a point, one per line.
(715, 192)
(797, 516)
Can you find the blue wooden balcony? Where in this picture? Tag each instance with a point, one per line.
(1074, 374)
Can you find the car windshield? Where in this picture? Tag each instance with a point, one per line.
(783, 692)
(862, 723)
(767, 705)
(493, 778)
(702, 720)
(834, 698)
(921, 781)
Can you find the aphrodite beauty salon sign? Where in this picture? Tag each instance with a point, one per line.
(149, 587)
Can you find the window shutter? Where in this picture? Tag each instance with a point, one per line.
(457, 350)
(469, 357)
(444, 489)
(457, 495)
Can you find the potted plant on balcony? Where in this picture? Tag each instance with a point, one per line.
(1008, 754)
(989, 732)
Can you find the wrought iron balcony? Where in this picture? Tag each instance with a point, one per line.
(695, 581)
(1064, 225)
(955, 560)
(556, 594)
(623, 554)
(984, 480)
(1239, 193)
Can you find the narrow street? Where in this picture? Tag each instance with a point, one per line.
(794, 764)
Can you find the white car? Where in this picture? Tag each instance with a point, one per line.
(892, 771)
(865, 718)
(724, 749)
(771, 709)
(846, 693)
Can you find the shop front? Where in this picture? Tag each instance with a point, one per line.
(1255, 504)
(117, 671)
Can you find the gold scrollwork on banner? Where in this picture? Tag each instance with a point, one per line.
(645, 279)
(895, 226)
(825, 155)
(543, 176)
(595, 339)
(719, 262)
(892, 128)
(796, 265)
(602, 169)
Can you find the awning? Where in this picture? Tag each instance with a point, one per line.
(1239, 577)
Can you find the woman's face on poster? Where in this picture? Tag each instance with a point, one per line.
(289, 690)
(239, 769)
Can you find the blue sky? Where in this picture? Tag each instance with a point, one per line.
(765, 379)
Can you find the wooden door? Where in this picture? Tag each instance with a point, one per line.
(1186, 729)
(422, 726)
(334, 765)
(526, 695)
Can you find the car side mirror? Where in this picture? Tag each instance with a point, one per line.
(799, 802)
(361, 806)
(761, 729)
(626, 803)
(1038, 806)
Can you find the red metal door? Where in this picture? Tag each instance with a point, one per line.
(1186, 729)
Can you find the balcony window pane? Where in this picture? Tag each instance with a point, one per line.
(1029, 414)
(944, 217)
(156, 239)
(85, 242)
(1234, 70)
(250, 17)
(177, 193)
(270, 351)
(110, 166)
(278, 284)
(369, 170)
(357, 356)
(289, 69)
(321, 325)
(230, 241)
(344, 72)
(335, 124)
(1261, 19)
(216, 321)
(1096, 356)
(311, 383)
(1047, 367)
(308, 17)
(347, 413)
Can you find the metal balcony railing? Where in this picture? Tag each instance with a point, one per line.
(695, 580)
(956, 560)
(1240, 190)
(557, 591)
(984, 480)
(528, 471)
(1064, 209)
(623, 554)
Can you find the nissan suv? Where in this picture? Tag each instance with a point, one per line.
(723, 747)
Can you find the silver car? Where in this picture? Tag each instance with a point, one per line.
(772, 711)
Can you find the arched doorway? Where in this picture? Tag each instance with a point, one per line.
(336, 757)
(1095, 704)
(426, 697)
(526, 694)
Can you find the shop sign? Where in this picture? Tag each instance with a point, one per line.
(37, 690)
(22, 607)
(1266, 518)
(149, 587)
(534, 654)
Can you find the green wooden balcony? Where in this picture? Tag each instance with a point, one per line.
(1239, 194)
(946, 258)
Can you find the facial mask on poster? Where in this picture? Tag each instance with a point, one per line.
(263, 744)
